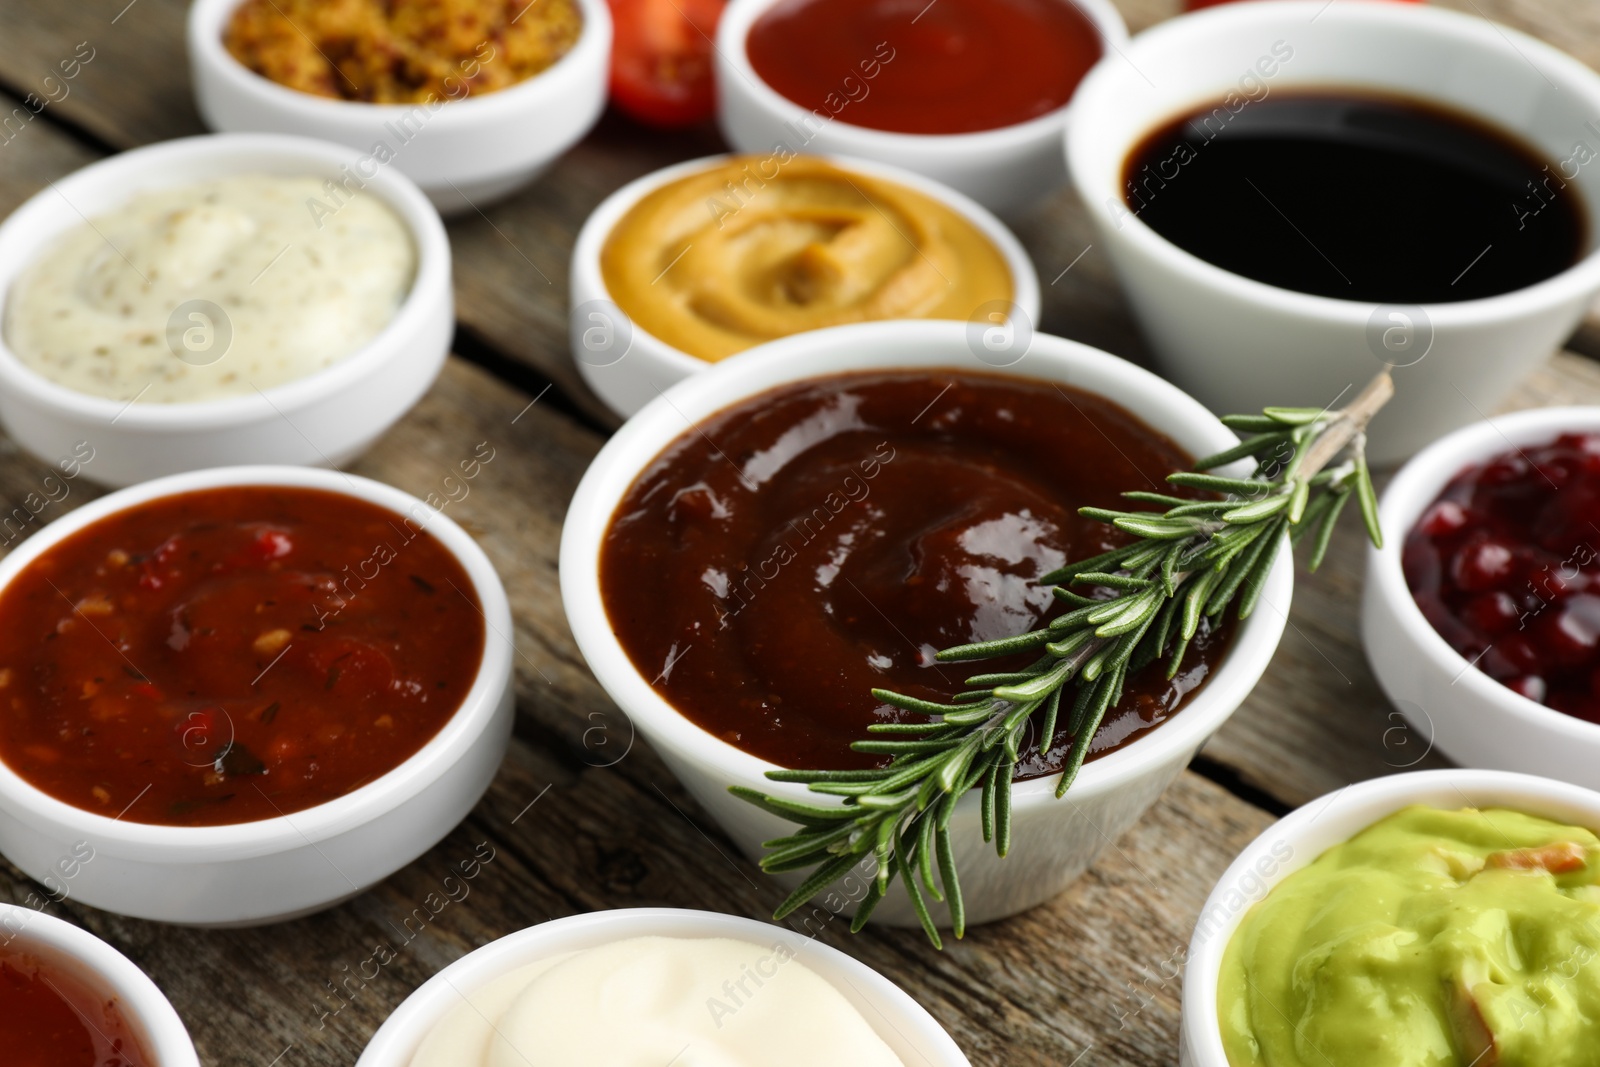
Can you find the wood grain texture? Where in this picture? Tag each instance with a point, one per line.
(1085, 979)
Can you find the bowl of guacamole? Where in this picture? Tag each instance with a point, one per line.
(1436, 919)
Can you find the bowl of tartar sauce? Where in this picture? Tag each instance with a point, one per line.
(235, 298)
(660, 986)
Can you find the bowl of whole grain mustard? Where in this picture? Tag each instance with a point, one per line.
(471, 99)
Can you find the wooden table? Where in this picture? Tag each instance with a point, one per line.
(1086, 979)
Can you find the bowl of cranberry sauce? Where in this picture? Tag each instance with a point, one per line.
(1481, 616)
(68, 999)
(214, 681)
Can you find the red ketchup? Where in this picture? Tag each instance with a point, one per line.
(908, 66)
(1506, 567)
(49, 1017)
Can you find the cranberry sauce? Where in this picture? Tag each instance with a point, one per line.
(1506, 566)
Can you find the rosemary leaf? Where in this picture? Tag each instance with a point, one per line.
(825, 876)
(952, 884)
(1319, 548)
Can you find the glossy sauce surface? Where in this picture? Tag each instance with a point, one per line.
(1358, 197)
(49, 1017)
(1506, 567)
(232, 654)
(794, 552)
(908, 66)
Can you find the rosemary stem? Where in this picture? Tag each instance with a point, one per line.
(1346, 424)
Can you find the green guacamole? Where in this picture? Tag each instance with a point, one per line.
(1430, 939)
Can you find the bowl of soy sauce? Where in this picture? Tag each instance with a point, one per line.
(1311, 190)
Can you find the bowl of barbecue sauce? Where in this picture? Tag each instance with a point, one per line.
(1293, 205)
(760, 548)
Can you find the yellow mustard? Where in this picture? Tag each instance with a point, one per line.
(761, 247)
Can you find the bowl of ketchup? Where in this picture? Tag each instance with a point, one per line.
(972, 93)
(68, 999)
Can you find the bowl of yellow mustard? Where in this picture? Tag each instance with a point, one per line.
(1435, 919)
(700, 261)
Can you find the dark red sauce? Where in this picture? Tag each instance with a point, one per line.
(232, 654)
(793, 552)
(49, 1017)
(1506, 567)
(908, 66)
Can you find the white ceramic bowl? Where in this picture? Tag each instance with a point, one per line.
(464, 153)
(278, 868)
(1297, 839)
(905, 1026)
(1005, 169)
(323, 419)
(105, 971)
(1053, 841)
(1472, 718)
(1239, 344)
(627, 367)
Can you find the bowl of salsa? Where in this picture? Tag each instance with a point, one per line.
(757, 550)
(972, 93)
(68, 999)
(219, 681)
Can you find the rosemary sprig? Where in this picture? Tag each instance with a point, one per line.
(1190, 559)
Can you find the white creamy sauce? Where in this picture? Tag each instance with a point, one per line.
(652, 1001)
(124, 307)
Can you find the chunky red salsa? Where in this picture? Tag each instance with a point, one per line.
(232, 654)
(51, 1018)
(910, 66)
(790, 554)
(1506, 567)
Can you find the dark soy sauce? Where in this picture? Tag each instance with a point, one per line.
(1369, 198)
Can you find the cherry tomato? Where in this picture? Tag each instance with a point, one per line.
(661, 68)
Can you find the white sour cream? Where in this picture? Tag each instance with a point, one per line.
(123, 307)
(652, 1001)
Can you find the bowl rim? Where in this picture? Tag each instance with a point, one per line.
(207, 19)
(1330, 820)
(1448, 29)
(396, 1040)
(1409, 495)
(99, 963)
(588, 277)
(806, 356)
(155, 842)
(734, 31)
(238, 151)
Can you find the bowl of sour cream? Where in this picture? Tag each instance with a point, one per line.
(659, 985)
(238, 298)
